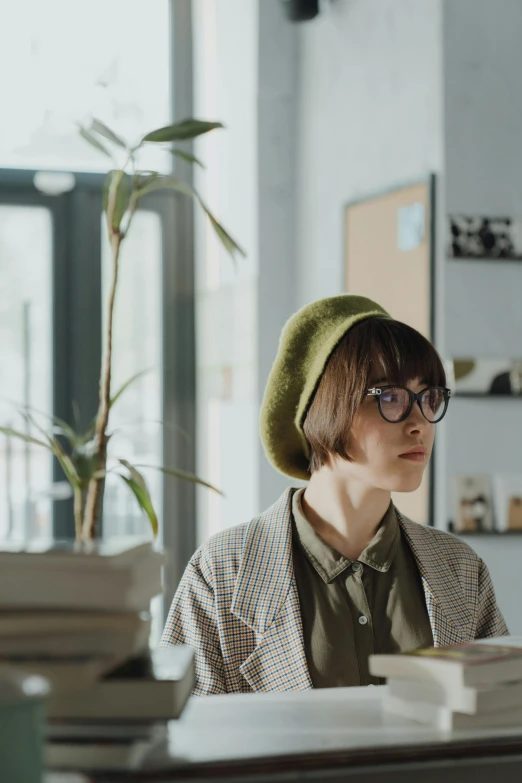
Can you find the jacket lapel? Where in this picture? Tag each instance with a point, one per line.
(451, 622)
(278, 662)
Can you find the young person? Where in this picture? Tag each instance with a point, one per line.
(301, 596)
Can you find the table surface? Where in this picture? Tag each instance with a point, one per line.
(298, 730)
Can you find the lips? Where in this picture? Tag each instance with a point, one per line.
(420, 450)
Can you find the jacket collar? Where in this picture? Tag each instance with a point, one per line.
(266, 569)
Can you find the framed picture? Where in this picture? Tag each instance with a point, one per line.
(472, 504)
(389, 238)
(476, 376)
(480, 237)
(507, 493)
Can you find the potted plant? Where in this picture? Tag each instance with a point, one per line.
(83, 455)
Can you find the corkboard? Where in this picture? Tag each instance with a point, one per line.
(401, 280)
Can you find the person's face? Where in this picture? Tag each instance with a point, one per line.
(375, 446)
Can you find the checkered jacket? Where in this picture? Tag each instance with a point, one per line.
(238, 605)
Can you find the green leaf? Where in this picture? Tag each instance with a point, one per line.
(187, 156)
(165, 182)
(138, 486)
(187, 129)
(226, 240)
(11, 433)
(99, 127)
(123, 183)
(184, 476)
(128, 383)
(88, 136)
(54, 446)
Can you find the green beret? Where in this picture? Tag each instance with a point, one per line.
(307, 342)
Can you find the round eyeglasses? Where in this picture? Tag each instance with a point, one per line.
(396, 402)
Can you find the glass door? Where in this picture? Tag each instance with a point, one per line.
(26, 293)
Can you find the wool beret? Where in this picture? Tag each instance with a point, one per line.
(307, 341)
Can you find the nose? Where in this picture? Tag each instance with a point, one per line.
(416, 418)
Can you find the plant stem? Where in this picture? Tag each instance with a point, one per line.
(94, 491)
(78, 507)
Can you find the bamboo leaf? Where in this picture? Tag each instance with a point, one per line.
(184, 476)
(88, 136)
(166, 182)
(126, 385)
(100, 127)
(11, 433)
(123, 183)
(55, 447)
(226, 240)
(138, 486)
(187, 156)
(187, 129)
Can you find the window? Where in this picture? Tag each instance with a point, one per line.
(53, 253)
(26, 238)
(105, 59)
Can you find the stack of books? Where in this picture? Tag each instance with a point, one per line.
(81, 619)
(464, 686)
(121, 721)
(72, 615)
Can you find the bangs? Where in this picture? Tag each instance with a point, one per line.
(397, 354)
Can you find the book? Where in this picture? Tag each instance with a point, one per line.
(444, 718)
(67, 674)
(155, 687)
(122, 575)
(116, 753)
(461, 665)
(103, 730)
(73, 633)
(466, 700)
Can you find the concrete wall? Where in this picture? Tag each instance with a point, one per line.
(277, 170)
(483, 313)
(369, 119)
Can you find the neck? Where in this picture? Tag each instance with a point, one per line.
(345, 512)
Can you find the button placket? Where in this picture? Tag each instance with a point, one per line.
(362, 618)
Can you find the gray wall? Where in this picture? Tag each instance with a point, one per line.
(277, 160)
(483, 316)
(369, 119)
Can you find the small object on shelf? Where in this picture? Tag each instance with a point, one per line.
(508, 501)
(477, 377)
(473, 504)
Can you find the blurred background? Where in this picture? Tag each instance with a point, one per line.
(370, 146)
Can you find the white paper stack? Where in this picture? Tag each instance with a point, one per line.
(473, 685)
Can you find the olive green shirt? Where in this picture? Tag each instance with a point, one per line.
(352, 609)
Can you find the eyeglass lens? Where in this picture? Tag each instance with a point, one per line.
(395, 402)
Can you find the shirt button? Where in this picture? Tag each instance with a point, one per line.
(363, 620)
(356, 567)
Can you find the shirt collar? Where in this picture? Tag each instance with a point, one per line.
(327, 561)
